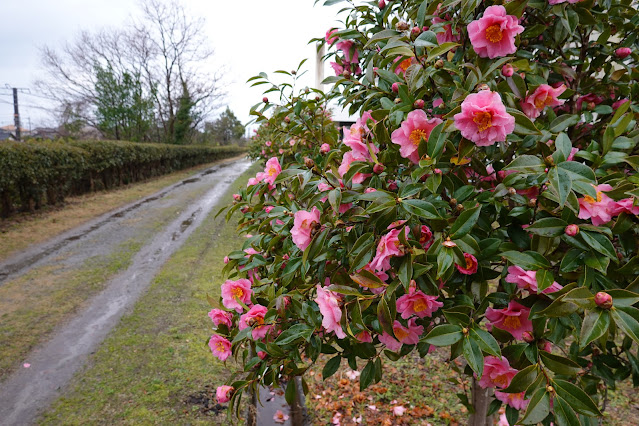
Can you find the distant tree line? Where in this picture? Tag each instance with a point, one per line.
(154, 79)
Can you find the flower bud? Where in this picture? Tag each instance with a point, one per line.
(265, 99)
(317, 98)
(395, 87)
(295, 72)
(512, 191)
(572, 230)
(287, 119)
(623, 52)
(415, 31)
(549, 161)
(448, 243)
(237, 197)
(346, 74)
(528, 337)
(378, 168)
(401, 26)
(226, 260)
(418, 104)
(507, 70)
(381, 4)
(309, 163)
(439, 64)
(325, 148)
(398, 101)
(603, 300)
(392, 185)
(437, 171)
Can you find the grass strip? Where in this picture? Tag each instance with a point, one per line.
(154, 368)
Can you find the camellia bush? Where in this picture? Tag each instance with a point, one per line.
(484, 201)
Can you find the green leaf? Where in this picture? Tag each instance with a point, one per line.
(293, 333)
(548, 227)
(578, 171)
(529, 260)
(440, 50)
(600, 243)
(344, 289)
(562, 184)
(623, 298)
(545, 279)
(523, 379)
(595, 324)
(473, 355)
(367, 376)
(444, 335)
(382, 35)
(527, 164)
(559, 364)
(626, 322)
(577, 398)
(562, 122)
(384, 316)
(486, 341)
(538, 407)
(331, 367)
(464, 223)
(523, 124)
(291, 391)
(564, 414)
(436, 141)
(367, 279)
(420, 208)
(445, 260)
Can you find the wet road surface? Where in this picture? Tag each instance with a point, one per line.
(29, 391)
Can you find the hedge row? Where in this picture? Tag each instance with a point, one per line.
(33, 174)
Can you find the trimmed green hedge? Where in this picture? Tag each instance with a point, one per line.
(33, 174)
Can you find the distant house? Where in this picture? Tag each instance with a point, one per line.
(46, 133)
(11, 129)
(5, 135)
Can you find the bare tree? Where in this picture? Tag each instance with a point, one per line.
(165, 46)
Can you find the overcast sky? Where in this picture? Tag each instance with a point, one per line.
(248, 36)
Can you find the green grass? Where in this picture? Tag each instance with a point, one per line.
(155, 367)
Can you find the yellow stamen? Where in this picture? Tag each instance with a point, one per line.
(484, 120)
(494, 33)
(420, 305)
(512, 322)
(220, 347)
(469, 263)
(238, 292)
(417, 135)
(401, 334)
(589, 199)
(501, 381)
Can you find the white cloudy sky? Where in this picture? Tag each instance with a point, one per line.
(249, 36)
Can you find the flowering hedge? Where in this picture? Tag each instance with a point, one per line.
(485, 201)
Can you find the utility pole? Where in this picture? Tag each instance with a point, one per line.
(16, 113)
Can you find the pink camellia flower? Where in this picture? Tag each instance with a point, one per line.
(447, 35)
(623, 52)
(493, 34)
(483, 118)
(417, 303)
(391, 343)
(339, 69)
(439, 102)
(240, 289)
(426, 237)
(543, 96)
(471, 265)
(330, 36)
(219, 316)
(620, 102)
(527, 280)
(515, 400)
(403, 65)
(255, 318)
(237, 197)
(325, 148)
(280, 417)
(347, 160)
(389, 246)
(220, 347)
(223, 393)
(349, 49)
(513, 319)
(625, 205)
(601, 210)
(416, 127)
(328, 303)
(364, 337)
(409, 334)
(304, 223)
(591, 100)
(353, 137)
(497, 373)
(272, 169)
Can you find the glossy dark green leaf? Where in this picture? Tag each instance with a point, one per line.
(444, 335)
(527, 260)
(538, 407)
(559, 364)
(473, 355)
(331, 367)
(600, 243)
(595, 324)
(523, 379)
(464, 222)
(548, 227)
(576, 398)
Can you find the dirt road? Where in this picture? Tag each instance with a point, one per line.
(159, 224)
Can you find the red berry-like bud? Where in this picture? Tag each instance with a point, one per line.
(572, 230)
(415, 31)
(507, 70)
(623, 52)
(265, 99)
(439, 64)
(309, 163)
(603, 300)
(401, 26)
(378, 168)
(237, 197)
(381, 4)
(528, 337)
(419, 104)
(287, 120)
(395, 87)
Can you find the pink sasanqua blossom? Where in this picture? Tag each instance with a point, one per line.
(329, 306)
(219, 316)
(389, 246)
(483, 118)
(240, 289)
(493, 35)
(272, 170)
(527, 280)
(304, 224)
(255, 318)
(416, 127)
(220, 347)
(417, 303)
(543, 96)
(601, 210)
(223, 393)
(513, 319)
(470, 267)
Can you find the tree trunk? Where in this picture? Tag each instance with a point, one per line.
(481, 400)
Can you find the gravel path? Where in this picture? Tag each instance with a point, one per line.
(29, 391)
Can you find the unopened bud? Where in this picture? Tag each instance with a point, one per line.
(293, 72)
(265, 99)
(623, 52)
(287, 119)
(453, 201)
(401, 26)
(398, 100)
(378, 168)
(550, 389)
(460, 207)
(549, 161)
(603, 300)
(512, 191)
(507, 70)
(309, 163)
(439, 64)
(465, 331)
(346, 74)
(415, 31)
(395, 87)
(528, 337)
(572, 230)
(237, 197)
(381, 4)
(317, 98)
(418, 104)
